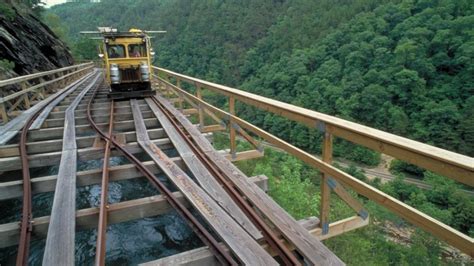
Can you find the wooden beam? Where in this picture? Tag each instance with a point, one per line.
(97, 109)
(202, 255)
(202, 174)
(3, 113)
(244, 155)
(190, 111)
(233, 142)
(313, 250)
(52, 158)
(60, 245)
(41, 74)
(118, 213)
(412, 215)
(88, 218)
(325, 190)
(14, 189)
(40, 85)
(243, 246)
(53, 145)
(55, 132)
(200, 109)
(340, 227)
(261, 181)
(11, 129)
(180, 102)
(212, 128)
(98, 117)
(193, 104)
(44, 114)
(456, 166)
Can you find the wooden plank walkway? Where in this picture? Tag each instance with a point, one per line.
(311, 248)
(59, 248)
(246, 249)
(9, 130)
(202, 174)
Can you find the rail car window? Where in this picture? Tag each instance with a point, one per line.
(116, 51)
(136, 50)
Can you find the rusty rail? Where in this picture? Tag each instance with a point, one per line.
(26, 219)
(101, 235)
(223, 257)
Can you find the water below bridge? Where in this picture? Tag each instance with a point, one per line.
(128, 243)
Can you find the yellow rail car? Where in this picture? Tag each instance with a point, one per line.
(127, 60)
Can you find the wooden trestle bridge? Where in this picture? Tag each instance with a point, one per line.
(63, 117)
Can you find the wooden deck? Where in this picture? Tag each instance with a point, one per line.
(62, 137)
(244, 247)
(60, 240)
(313, 250)
(203, 176)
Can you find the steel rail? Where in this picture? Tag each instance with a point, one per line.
(101, 230)
(222, 256)
(284, 253)
(26, 226)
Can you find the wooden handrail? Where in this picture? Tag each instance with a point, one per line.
(456, 166)
(15, 80)
(452, 236)
(32, 88)
(29, 92)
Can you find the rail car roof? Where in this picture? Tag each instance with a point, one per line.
(124, 35)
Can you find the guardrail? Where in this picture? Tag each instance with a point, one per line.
(37, 86)
(450, 164)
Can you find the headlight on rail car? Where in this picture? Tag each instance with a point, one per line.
(114, 74)
(145, 71)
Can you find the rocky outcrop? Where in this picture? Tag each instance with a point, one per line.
(30, 44)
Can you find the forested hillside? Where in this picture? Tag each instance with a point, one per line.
(405, 67)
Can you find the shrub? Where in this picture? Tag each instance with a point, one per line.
(6, 65)
(7, 11)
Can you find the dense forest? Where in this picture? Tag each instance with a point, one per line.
(388, 240)
(401, 66)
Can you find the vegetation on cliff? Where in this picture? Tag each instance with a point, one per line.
(26, 44)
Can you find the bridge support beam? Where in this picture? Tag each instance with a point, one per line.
(118, 213)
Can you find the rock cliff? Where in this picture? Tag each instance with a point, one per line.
(28, 43)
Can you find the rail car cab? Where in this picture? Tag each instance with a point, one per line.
(127, 60)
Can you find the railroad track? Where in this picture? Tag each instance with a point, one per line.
(26, 216)
(237, 244)
(271, 238)
(197, 227)
(287, 256)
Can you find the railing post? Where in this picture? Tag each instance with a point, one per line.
(325, 189)
(180, 102)
(25, 96)
(3, 112)
(167, 91)
(201, 113)
(233, 145)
